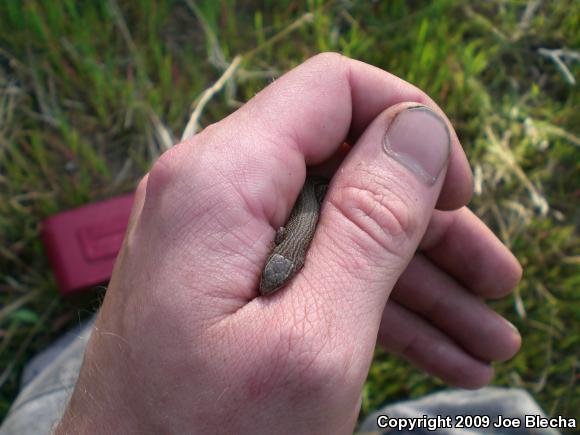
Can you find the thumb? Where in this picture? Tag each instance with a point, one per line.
(376, 211)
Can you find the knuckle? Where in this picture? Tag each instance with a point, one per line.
(163, 172)
(383, 214)
(330, 60)
(142, 186)
(328, 57)
(208, 132)
(187, 162)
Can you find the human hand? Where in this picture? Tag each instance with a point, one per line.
(183, 344)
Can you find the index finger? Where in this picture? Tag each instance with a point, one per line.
(304, 116)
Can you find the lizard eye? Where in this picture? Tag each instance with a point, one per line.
(276, 273)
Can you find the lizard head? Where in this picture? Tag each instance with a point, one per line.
(277, 271)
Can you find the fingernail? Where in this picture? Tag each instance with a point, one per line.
(419, 139)
(512, 326)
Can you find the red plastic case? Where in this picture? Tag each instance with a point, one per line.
(82, 244)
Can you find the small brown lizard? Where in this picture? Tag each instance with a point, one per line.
(293, 239)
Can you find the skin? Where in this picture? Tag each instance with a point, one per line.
(183, 343)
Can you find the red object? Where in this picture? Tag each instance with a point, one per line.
(82, 244)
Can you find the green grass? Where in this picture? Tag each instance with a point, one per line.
(90, 95)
